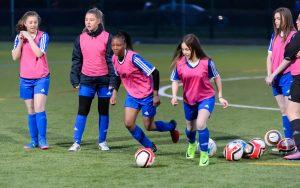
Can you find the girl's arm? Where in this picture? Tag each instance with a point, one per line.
(113, 98)
(76, 64)
(17, 51)
(108, 58)
(269, 57)
(218, 84)
(269, 63)
(155, 76)
(175, 86)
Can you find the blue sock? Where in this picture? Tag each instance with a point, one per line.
(79, 128)
(140, 136)
(203, 139)
(191, 135)
(162, 126)
(287, 128)
(103, 127)
(41, 122)
(33, 131)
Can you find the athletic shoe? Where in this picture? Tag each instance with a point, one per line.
(190, 153)
(294, 156)
(31, 145)
(103, 146)
(174, 133)
(204, 159)
(43, 145)
(75, 147)
(154, 148)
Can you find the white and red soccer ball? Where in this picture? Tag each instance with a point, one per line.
(261, 142)
(242, 142)
(255, 148)
(286, 145)
(272, 137)
(233, 151)
(144, 157)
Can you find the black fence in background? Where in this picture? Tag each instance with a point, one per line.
(154, 25)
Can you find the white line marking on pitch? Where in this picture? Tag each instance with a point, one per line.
(162, 92)
(243, 78)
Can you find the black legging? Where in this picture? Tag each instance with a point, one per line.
(85, 105)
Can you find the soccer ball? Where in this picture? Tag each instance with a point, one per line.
(212, 147)
(272, 137)
(242, 142)
(286, 145)
(254, 149)
(144, 157)
(233, 151)
(259, 141)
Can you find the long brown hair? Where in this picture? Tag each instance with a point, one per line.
(98, 14)
(286, 22)
(21, 23)
(194, 45)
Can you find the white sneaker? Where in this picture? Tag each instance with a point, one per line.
(103, 146)
(75, 147)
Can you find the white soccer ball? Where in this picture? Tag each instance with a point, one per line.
(144, 157)
(212, 147)
(272, 137)
(233, 151)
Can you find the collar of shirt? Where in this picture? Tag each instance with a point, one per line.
(95, 33)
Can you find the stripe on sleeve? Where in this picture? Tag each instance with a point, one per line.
(146, 67)
(174, 75)
(270, 48)
(16, 42)
(44, 42)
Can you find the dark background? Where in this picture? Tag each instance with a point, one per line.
(220, 20)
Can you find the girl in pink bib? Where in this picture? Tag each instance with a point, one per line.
(194, 69)
(141, 81)
(292, 60)
(92, 72)
(283, 32)
(30, 48)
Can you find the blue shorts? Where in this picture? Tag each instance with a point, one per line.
(282, 84)
(191, 111)
(30, 87)
(146, 104)
(90, 91)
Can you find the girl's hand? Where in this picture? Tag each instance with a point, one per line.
(26, 35)
(224, 102)
(298, 55)
(113, 98)
(21, 37)
(174, 101)
(156, 100)
(76, 86)
(269, 79)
